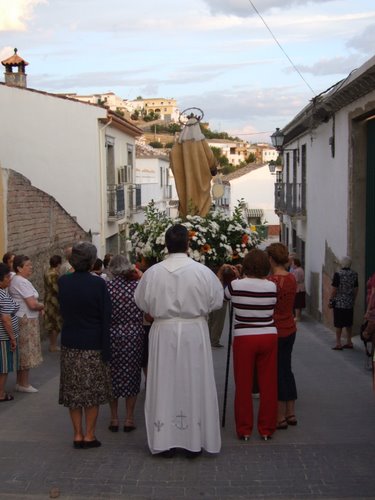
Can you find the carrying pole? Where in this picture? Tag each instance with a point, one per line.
(228, 363)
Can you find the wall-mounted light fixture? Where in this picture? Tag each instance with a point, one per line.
(278, 139)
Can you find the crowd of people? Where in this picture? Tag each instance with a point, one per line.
(115, 319)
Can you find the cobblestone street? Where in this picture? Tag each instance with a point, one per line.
(329, 454)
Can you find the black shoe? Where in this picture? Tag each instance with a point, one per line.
(91, 444)
(167, 453)
(129, 428)
(113, 428)
(266, 437)
(244, 438)
(77, 444)
(192, 454)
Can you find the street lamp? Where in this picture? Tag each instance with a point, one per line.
(278, 139)
(272, 166)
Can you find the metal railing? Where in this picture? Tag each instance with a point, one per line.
(116, 201)
(290, 198)
(168, 192)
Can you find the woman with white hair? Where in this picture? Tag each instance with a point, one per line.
(127, 339)
(343, 294)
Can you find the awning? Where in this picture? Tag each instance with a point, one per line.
(255, 212)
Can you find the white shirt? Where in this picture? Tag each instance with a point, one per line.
(21, 288)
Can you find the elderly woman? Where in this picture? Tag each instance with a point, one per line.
(344, 291)
(25, 295)
(127, 340)
(52, 317)
(8, 333)
(255, 345)
(286, 330)
(86, 312)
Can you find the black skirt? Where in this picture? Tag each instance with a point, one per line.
(342, 317)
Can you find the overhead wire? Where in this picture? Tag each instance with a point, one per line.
(281, 48)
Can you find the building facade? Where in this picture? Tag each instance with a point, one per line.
(78, 153)
(325, 196)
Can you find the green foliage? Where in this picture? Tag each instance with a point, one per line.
(220, 158)
(214, 240)
(209, 134)
(156, 144)
(135, 115)
(151, 116)
(119, 112)
(169, 145)
(251, 158)
(228, 169)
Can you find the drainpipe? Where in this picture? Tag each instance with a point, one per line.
(103, 178)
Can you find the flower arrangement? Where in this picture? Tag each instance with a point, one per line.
(214, 240)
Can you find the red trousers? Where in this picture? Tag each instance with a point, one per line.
(255, 352)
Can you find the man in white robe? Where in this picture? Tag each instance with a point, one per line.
(181, 407)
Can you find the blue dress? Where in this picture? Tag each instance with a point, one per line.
(126, 337)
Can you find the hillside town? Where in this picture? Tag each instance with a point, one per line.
(154, 243)
(99, 160)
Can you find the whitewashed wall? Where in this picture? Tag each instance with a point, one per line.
(54, 142)
(327, 191)
(257, 189)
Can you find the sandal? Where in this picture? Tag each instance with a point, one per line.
(7, 397)
(282, 425)
(113, 426)
(129, 426)
(291, 419)
(348, 346)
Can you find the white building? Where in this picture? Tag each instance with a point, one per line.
(155, 180)
(326, 197)
(255, 185)
(108, 99)
(81, 154)
(236, 151)
(166, 108)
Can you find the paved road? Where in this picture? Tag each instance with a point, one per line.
(330, 454)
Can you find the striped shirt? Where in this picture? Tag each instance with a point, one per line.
(253, 302)
(8, 306)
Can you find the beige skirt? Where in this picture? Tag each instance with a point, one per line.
(30, 351)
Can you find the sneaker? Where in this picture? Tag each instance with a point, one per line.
(29, 388)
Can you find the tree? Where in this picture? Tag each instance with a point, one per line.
(251, 158)
(156, 144)
(221, 159)
(135, 115)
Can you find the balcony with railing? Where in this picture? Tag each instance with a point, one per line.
(168, 192)
(116, 201)
(290, 198)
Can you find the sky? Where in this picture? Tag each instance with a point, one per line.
(216, 55)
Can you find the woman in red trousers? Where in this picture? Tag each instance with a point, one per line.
(254, 345)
